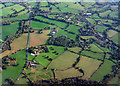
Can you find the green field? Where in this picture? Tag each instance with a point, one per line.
(9, 30)
(32, 4)
(105, 69)
(111, 33)
(14, 71)
(7, 11)
(1, 5)
(18, 7)
(114, 14)
(75, 49)
(38, 25)
(42, 57)
(74, 29)
(92, 21)
(105, 14)
(62, 32)
(44, 8)
(67, 73)
(95, 48)
(101, 28)
(43, 3)
(88, 65)
(58, 23)
(17, 18)
(64, 61)
(9, 4)
(23, 12)
(95, 16)
(54, 9)
(93, 55)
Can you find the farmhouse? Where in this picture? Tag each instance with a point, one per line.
(53, 32)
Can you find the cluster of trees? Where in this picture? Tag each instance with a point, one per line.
(8, 61)
(67, 81)
(62, 41)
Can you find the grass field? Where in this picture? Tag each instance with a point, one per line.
(114, 14)
(111, 33)
(87, 37)
(32, 4)
(44, 8)
(7, 10)
(43, 3)
(115, 39)
(8, 30)
(75, 49)
(88, 65)
(92, 21)
(67, 73)
(64, 61)
(62, 32)
(42, 57)
(54, 9)
(9, 4)
(95, 16)
(39, 73)
(95, 48)
(105, 14)
(38, 25)
(39, 39)
(74, 29)
(1, 5)
(19, 43)
(23, 12)
(93, 55)
(101, 28)
(17, 18)
(115, 80)
(18, 7)
(14, 71)
(58, 23)
(105, 69)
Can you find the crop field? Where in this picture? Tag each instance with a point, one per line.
(58, 23)
(64, 61)
(14, 71)
(105, 69)
(88, 65)
(74, 29)
(19, 43)
(69, 35)
(9, 30)
(17, 18)
(38, 25)
(75, 49)
(67, 73)
(39, 39)
(39, 73)
(42, 57)
(101, 28)
(93, 55)
(95, 48)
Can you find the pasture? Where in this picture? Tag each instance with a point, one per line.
(92, 21)
(95, 48)
(105, 14)
(75, 49)
(69, 73)
(63, 61)
(111, 33)
(88, 65)
(101, 28)
(105, 69)
(8, 30)
(93, 55)
(14, 71)
(74, 29)
(23, 12)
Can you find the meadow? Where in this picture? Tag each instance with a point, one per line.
(105, 14)
(105, 69)
(92, 21)
(88, 65)
(75, 49)
(8, 30)
(64, 61)
(95, 48)
(93, 55)
(101, 28)
(14, 71)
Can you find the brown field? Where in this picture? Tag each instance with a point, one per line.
(38, 39)
(88, 65)
(19, 43)
(67, 73)
(5, 53)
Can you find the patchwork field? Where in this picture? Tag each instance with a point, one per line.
(75, 49)
(64, 61)
(74, 29)
(68, 73)
(14, 71)
(105, 69)
(88, 65)
(95, 48)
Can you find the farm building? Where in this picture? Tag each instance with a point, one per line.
(53, 32)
